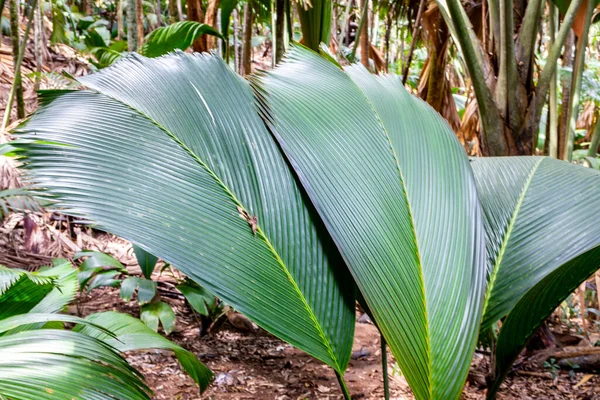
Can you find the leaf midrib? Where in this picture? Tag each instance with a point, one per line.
(413, 227)
(507, 235)
(259, 231)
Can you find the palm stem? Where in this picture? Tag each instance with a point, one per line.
(577, 77)
(413, 42)
(363, 17)
(343, 385)
(551, 61)
(384, 369)
(553, 102)
(17, 76)
(592, 151)
(491, 123)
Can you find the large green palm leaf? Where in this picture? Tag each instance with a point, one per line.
(395, 190)
(170, 153)
(539, 215)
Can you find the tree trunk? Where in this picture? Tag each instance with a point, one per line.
(139, 21)
(179, 11)
(236, 57)
(582, 41)
(211, 19)
(38, 43)
(195, 13)
(279, 30)
(364, 37)
(14, 32)
(566, 95)
(158, 13)
(131, 25)
(120, 24)
(247, 41)
(172, 11)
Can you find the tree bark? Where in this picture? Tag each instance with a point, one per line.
(120, 24)
(38, 43)
(131, 25)
(14, 32)
(582, 41)
(172, 11)
(247, 41)
(364, 36)
(279, 30)
(195, 13)
(158, 13)
(415, 31)
(236, 56)
(211, 19)
(139, 21)
(566, 95)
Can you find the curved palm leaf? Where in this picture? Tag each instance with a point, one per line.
(177, 36)
(170, 154)
(403, 212)
(132, 334)
(17, 199)
(537, 218)
(537, 305)
(56, 364)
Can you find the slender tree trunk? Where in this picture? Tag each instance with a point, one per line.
(120, 24)
(415, 32)
(552, 138)
(14, 31)
(577, 77)
(388, 32)
(179, 11)
(38, 44)
(592, 152)
(364, 36)
(85, 7)
(172, 11)
(131, 25)
(139, 21)
(279, 30)
(158, 13)
(195, 13)
(566, 95)
(247, 41)
(236, 57)
(211, 19)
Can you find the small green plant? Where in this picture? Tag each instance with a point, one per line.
(102, 270)
(552, 367)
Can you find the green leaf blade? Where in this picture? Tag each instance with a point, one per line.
(537, 218)
(195, 127)
(352, 163)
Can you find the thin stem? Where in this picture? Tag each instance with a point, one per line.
(553, 103)
(17, 76)
(413, 41)
(384, 369)
(546, 76)
(592, 151)
(529, 32)
(344, 25)
(577, 77)
(363, 17)
(343, 386)
(492, 124)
